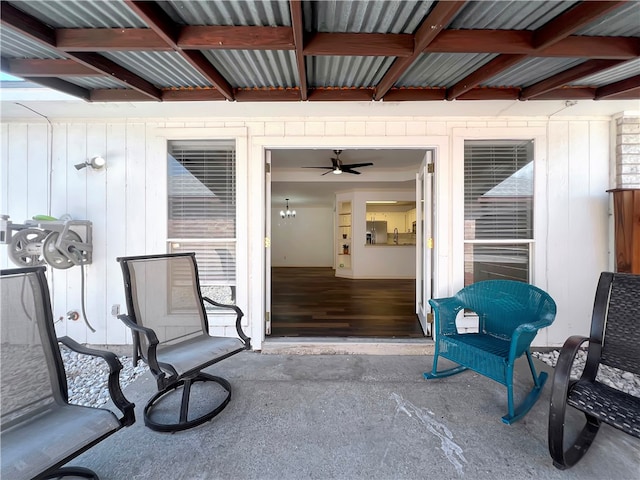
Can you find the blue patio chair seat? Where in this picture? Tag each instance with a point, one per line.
(510, 313)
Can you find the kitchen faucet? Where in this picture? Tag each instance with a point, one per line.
(395, 236)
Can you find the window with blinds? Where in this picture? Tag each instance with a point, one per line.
(202, 210)
(498, 209)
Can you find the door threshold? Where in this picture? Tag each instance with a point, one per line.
(347, 346)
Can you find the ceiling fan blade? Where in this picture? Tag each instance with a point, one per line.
(357, 165)
(348, 170)
(330, 171)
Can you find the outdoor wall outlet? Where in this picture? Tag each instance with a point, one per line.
(115, 309)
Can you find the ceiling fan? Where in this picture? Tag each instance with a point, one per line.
(337, 167)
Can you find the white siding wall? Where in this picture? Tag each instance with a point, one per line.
(127, 201)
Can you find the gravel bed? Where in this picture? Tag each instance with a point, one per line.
(87, 376)
(613, 377)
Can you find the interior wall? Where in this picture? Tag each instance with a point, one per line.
(304, 241)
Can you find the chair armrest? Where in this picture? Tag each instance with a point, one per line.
(562, 371)
(239, 315)
(153, 341)
(523, 335)
(445, 313)
(115, 391)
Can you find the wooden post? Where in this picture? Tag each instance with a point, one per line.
(626, 210)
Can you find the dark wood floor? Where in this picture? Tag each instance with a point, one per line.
(312, 302)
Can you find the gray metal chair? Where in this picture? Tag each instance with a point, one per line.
(40, 430)
(170, 329)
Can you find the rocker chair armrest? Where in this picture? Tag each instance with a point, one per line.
(239, 315)
(113, 381)
(523, 335)
(445, 312)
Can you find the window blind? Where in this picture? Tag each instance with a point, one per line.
(202, 189)
(202, 210)
(498, 189)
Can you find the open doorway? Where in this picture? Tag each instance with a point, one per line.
(307, 298)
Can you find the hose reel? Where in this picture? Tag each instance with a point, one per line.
(48, 240)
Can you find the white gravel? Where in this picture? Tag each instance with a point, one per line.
(87, 376)
(625, 381)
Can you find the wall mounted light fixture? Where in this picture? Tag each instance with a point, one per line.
(96, 163)
(288, 213)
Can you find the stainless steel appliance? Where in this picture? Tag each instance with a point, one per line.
(376, 232)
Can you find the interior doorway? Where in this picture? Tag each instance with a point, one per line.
(305, 297)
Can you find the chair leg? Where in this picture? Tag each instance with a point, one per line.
(184, 423)
(517, 413)
(81, 472)
(563, 459)
(444, 373)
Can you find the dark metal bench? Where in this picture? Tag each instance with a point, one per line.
(510, 314)
(614, 341)
(41, 431)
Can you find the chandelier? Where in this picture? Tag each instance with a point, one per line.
(288, 213)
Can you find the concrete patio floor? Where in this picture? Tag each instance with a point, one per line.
(354, 417)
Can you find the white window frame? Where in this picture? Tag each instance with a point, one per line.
(157, 239)
(537, 245)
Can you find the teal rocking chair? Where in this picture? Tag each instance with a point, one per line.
(510, 313)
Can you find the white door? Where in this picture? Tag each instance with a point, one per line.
(267, 244)
(424, 241)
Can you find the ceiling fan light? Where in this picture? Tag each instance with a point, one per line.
(337, 171)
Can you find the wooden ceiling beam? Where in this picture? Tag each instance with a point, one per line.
(192, 95)
(268, 95)
(435, 22)
(61, 86)
(341, 94)
(26, 24)
(489, 93)
(118, 95)
(585, 69)
(572, 20)
(628, 85)
(103, 65)
(38, 31)
(297, 28)
(109, 39)
(415, 94)
(521, 42)
(158, 21)
(360, 44)
(491, 69)
(37, 67)
(236, 38)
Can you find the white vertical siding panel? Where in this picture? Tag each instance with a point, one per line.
(156, 193)
(37, 160)
(4, 184)
(135, 181)
(115, 229)
(18, 174)
(77, 208)
(582, 251)
(60, 164)
(558, 231)
(95, 284)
